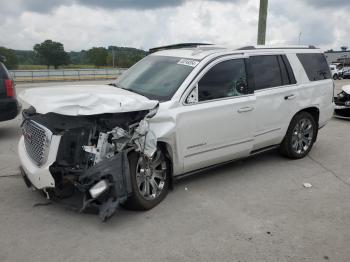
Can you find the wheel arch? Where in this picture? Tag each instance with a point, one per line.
(314, 112)
(168, 151)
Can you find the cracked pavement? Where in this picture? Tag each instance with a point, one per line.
(252, 210)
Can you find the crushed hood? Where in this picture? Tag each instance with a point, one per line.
(85, 100)
(346, 89)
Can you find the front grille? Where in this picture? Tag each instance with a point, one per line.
(36, 141)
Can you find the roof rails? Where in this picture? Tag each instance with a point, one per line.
(276, 47)
(175, 46)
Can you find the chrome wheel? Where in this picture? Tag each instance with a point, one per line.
(302, 136)
(151, 175)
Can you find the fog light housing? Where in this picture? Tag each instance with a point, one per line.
(98, 188)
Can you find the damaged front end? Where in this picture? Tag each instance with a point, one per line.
(91, 168)
(342, 104)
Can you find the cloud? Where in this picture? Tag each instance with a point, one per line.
(82, 24)
(43, 6)
(328, 3)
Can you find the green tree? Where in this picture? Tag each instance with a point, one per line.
(98, 56)
(11, 58)
(51, 53)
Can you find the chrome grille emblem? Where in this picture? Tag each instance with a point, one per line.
(37, 141)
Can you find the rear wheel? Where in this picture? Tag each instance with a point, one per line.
(335, 76)
(300, 136)
(150, 180)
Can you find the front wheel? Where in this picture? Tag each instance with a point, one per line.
(150, 179)
(300, 136)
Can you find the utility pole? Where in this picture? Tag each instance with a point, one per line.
(262, 22)
(299, 40)
(113, 56)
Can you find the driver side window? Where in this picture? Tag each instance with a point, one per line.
(226, 79)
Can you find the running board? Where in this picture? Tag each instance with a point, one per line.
(201, 170)
(264, 149)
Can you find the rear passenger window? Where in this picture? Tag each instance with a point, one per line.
(315, 66)
(271, 71)
(285, 67)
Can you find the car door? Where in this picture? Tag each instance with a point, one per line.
(216, 121)
(276, 91)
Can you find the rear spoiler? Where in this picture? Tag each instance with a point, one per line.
(175, 46)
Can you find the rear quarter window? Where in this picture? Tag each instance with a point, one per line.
(315, 66)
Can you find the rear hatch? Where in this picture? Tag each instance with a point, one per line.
(7, 85)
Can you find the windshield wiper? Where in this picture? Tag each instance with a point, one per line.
(121, 87)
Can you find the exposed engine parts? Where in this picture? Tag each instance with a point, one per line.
(92, 159)
(138, 137)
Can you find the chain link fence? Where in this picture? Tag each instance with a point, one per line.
(65, 74)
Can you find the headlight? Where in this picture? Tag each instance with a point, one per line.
(152, 112)
(98, 189)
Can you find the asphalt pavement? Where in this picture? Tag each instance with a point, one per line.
(252, 210)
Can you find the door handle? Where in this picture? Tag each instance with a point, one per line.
(245, 109)
(290, 97)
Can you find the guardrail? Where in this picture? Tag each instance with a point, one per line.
(65, 74)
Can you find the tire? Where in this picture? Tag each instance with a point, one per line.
(335, 77)
(300, 137)
(142, 172)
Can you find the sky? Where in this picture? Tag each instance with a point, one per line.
(82, 24)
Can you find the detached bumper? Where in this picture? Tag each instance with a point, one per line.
(342, 112)
(114, 172)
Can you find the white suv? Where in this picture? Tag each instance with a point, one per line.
(174, 113)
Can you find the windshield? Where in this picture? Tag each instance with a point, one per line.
(157, 77)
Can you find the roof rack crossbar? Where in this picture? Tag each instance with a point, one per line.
(175, 46)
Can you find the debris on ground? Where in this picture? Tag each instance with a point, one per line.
(307, 185)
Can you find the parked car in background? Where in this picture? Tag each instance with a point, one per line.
(174, 113)
(336, 73)
(346, 72)
(9, 106)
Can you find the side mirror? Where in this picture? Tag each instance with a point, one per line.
(193, 96)
(2, 59)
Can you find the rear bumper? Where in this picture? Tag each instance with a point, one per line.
(9, 108)
(39, 177)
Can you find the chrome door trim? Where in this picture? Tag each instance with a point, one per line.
(220, 147)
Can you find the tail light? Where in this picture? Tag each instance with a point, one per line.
(10, 87)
